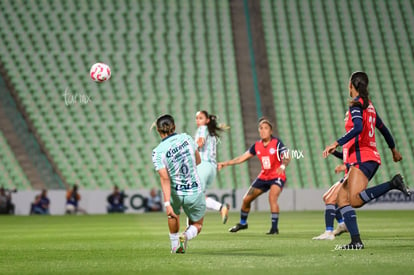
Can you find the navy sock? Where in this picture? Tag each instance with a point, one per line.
(329, 217)
(243, 217)
(350, 219)
(338, 215)
(375, 192)
(275, 219)
(356, 239)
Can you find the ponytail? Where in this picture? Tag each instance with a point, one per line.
(360, 82)
(212, 125)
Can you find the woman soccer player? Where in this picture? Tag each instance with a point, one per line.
(272, 155)
(362, 157)
(206, 140)
(176, 159)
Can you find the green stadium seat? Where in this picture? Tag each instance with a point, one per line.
(315, 71)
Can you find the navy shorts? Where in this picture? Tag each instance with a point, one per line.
(265, 185)
(369, 168)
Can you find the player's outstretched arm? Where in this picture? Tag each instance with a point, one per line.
(330, 149)
(240, 159)
(396, 155)
(340, 168)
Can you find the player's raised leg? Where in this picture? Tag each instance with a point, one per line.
(397, 182)
(195, 208)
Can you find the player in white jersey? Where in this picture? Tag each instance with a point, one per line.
(176, 159)
(206, 139)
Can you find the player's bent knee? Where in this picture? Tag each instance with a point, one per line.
(246, 203)
(341, 202)
(356, 202)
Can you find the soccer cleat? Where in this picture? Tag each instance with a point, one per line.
(238, 227)
(340, 229)
(225, 212)
(273, 231)
(397, 182)
(182, 245)
(327, 235)
(353, 246)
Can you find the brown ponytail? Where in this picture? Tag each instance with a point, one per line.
(360, 82)
(212, 126)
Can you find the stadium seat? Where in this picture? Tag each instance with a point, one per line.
(324, 54)
(149, 46)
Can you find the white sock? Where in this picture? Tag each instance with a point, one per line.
(191, 232)
(341, 223)
(174, 240)
(213, 204)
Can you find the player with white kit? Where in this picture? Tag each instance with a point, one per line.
(206, 139)
(176, 159)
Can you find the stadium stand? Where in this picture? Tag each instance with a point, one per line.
(166, 57)
(11, 174)
(178, 57)
(313, 47)
(22, 144)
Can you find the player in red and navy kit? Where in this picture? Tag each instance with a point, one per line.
(274, 158)
(362, 157)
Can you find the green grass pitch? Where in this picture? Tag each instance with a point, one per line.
(139, 244)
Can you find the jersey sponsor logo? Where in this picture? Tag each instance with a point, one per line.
(266, 162)
(186, 186)
(175, 150)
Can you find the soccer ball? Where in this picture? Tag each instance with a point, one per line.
(100, 72)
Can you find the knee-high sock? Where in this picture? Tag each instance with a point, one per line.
(191, 232)
(243, 217)
(350, 218)
(213, 204)
(275, 219)
(338, 215)
(174, 240)
(330, 210)
(375, 191)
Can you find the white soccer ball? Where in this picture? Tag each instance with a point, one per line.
(100, 72)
